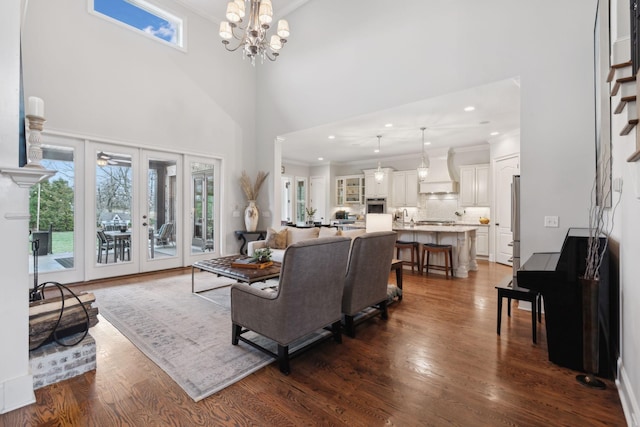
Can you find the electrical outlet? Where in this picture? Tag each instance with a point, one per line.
(551, 221)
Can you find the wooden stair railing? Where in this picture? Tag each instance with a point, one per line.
(620, 82)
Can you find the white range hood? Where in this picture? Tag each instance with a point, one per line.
(441, 178)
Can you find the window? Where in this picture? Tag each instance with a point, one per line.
(144, 17)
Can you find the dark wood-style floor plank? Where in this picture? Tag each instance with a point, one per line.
(436, 361)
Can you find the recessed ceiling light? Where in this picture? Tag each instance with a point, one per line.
(469, 108)
(321, 158)
(388, 125)
(427, 143)
(332, 137)
(376, 151)
(494, 133)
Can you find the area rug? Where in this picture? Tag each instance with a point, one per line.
(187, 335)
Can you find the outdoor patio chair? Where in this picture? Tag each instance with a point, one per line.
(104, 244)
(163, 237)
(307, 299)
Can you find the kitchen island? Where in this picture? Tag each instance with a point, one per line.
(461, 237)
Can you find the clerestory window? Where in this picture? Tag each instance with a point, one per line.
(143, 17)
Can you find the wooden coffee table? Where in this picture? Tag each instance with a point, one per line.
(222, 267)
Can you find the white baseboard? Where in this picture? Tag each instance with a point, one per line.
(16, 393)
(627, 397)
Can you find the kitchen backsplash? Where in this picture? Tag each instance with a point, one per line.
(443, 208)
(437, 207)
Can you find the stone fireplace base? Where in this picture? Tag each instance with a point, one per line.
(53, 362)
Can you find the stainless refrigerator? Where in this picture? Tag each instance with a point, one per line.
(515, 223)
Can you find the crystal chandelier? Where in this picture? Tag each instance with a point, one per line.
(423, 169)
(378, 175)
(252, 36)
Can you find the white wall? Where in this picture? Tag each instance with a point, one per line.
(103, 80)
(625, 238)
(385, 59)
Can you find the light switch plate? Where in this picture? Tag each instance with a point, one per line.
(551, 221)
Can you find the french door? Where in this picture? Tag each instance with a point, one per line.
(160, 218)
(201, 182)
(136, 203)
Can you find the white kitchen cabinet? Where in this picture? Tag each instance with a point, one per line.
(405, 189)
(474, 185)
(349, 190)
(482, 241)
(373, 188)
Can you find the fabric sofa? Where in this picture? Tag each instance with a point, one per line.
(279, 240)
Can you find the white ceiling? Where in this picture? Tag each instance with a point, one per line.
(497, 109)
(215, 10)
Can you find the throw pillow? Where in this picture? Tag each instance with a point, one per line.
(297, 234)
(276, 239)
(328, 232)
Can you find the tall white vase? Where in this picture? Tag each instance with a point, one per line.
(251, 216)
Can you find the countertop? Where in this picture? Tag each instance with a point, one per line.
(457, 228)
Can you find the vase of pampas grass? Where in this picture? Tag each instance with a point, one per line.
(251, 190)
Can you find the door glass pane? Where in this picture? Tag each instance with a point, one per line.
(51, 206)
(301, 199)
(161, 208)
(113, 207)
(202, 223)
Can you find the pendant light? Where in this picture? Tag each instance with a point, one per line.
(423, 169)
(378, 175)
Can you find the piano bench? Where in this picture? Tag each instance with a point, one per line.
(521, 294)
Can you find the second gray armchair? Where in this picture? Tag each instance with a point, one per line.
(367, 276)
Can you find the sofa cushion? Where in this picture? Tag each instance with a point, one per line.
(295, 235)
(277, 239)
(328, 232)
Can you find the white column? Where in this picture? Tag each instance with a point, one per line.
(16, 382)
(462, 270)
(473, 263)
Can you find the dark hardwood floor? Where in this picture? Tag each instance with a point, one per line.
(436, 361)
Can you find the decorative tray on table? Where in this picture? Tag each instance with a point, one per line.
(251, 263)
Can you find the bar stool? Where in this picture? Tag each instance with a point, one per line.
(414, 247)
(432, 248)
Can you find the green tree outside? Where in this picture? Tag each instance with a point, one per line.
(56, 206)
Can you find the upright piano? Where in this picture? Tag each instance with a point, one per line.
(555, 276)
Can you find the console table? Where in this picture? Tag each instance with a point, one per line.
(242, 236)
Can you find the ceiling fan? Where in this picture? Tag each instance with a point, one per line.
(104, 159)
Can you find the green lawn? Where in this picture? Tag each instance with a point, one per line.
(62, 242)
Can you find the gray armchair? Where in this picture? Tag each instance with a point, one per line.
(308, 297)
(367, 275)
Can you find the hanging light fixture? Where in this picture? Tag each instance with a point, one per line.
(253, 39)
(378, 175)
(423, 169)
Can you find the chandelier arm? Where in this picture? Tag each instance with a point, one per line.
(226, 46)
(236, 36)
